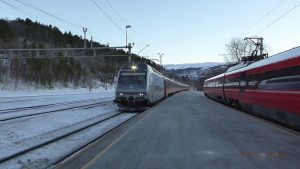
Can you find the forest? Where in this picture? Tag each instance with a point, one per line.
(55, 71)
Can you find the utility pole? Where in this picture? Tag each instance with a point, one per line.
(128, 45)
(129, 52)
(160, 61)
(127, 26)
(91, 41)
(160, 58)
(84, 34)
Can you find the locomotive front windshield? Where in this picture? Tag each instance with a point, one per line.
(136, 80)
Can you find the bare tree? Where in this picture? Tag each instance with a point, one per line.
(237, 48)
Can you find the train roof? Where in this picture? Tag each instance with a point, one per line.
(141, 66)
(238, 66)
(282, 56)
(138, 66)
(286, 55)
(215, 77)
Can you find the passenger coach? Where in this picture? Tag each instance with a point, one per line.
(270, 87)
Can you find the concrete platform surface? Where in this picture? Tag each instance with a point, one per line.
(188, 130)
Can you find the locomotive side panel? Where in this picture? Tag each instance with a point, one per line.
(156, 86)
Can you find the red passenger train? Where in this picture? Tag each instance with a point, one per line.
(269, 88)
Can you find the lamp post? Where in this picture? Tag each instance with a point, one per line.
(128, 46)
(127, 26)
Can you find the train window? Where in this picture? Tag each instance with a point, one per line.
(281, 83)
(220, 84)
(252, 84)
(132, 78)
(232, 82)
(287, 79)
(282, 79)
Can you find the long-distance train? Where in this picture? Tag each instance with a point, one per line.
(269, 87)
(140, 85)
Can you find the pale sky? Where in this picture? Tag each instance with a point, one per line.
(186, 31)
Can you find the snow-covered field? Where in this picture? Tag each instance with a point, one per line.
(20, 134)
(13, 99)
(55, 91)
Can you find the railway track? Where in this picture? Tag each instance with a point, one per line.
(16, 113)
(26, 146)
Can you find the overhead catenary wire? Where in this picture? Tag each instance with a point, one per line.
(74, 25)
(267, 14)
(20, 10)
(111, 6)
(123, 20)
(28, 14)
(49, 14)
(280, 17)
(110, 19)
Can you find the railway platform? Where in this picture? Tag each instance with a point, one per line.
(188, 130)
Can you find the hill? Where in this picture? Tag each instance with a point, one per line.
(204, 65)
(197, 72)
(54, 70)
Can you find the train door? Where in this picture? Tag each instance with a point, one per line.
(223, 88)
(242, 83)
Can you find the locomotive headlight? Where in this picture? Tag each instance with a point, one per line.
(133, 67)
(121, 94)
(141, 94)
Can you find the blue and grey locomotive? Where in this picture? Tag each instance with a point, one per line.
(140, 85)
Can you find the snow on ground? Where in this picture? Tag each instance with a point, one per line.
(45, 156)
(17, 134)
(21, 129)
(13, 99)
(55, 91)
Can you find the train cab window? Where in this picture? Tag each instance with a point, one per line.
(132, 78)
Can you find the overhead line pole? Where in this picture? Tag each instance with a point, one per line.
(84, 34)
(128, 45)
(160, 58)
